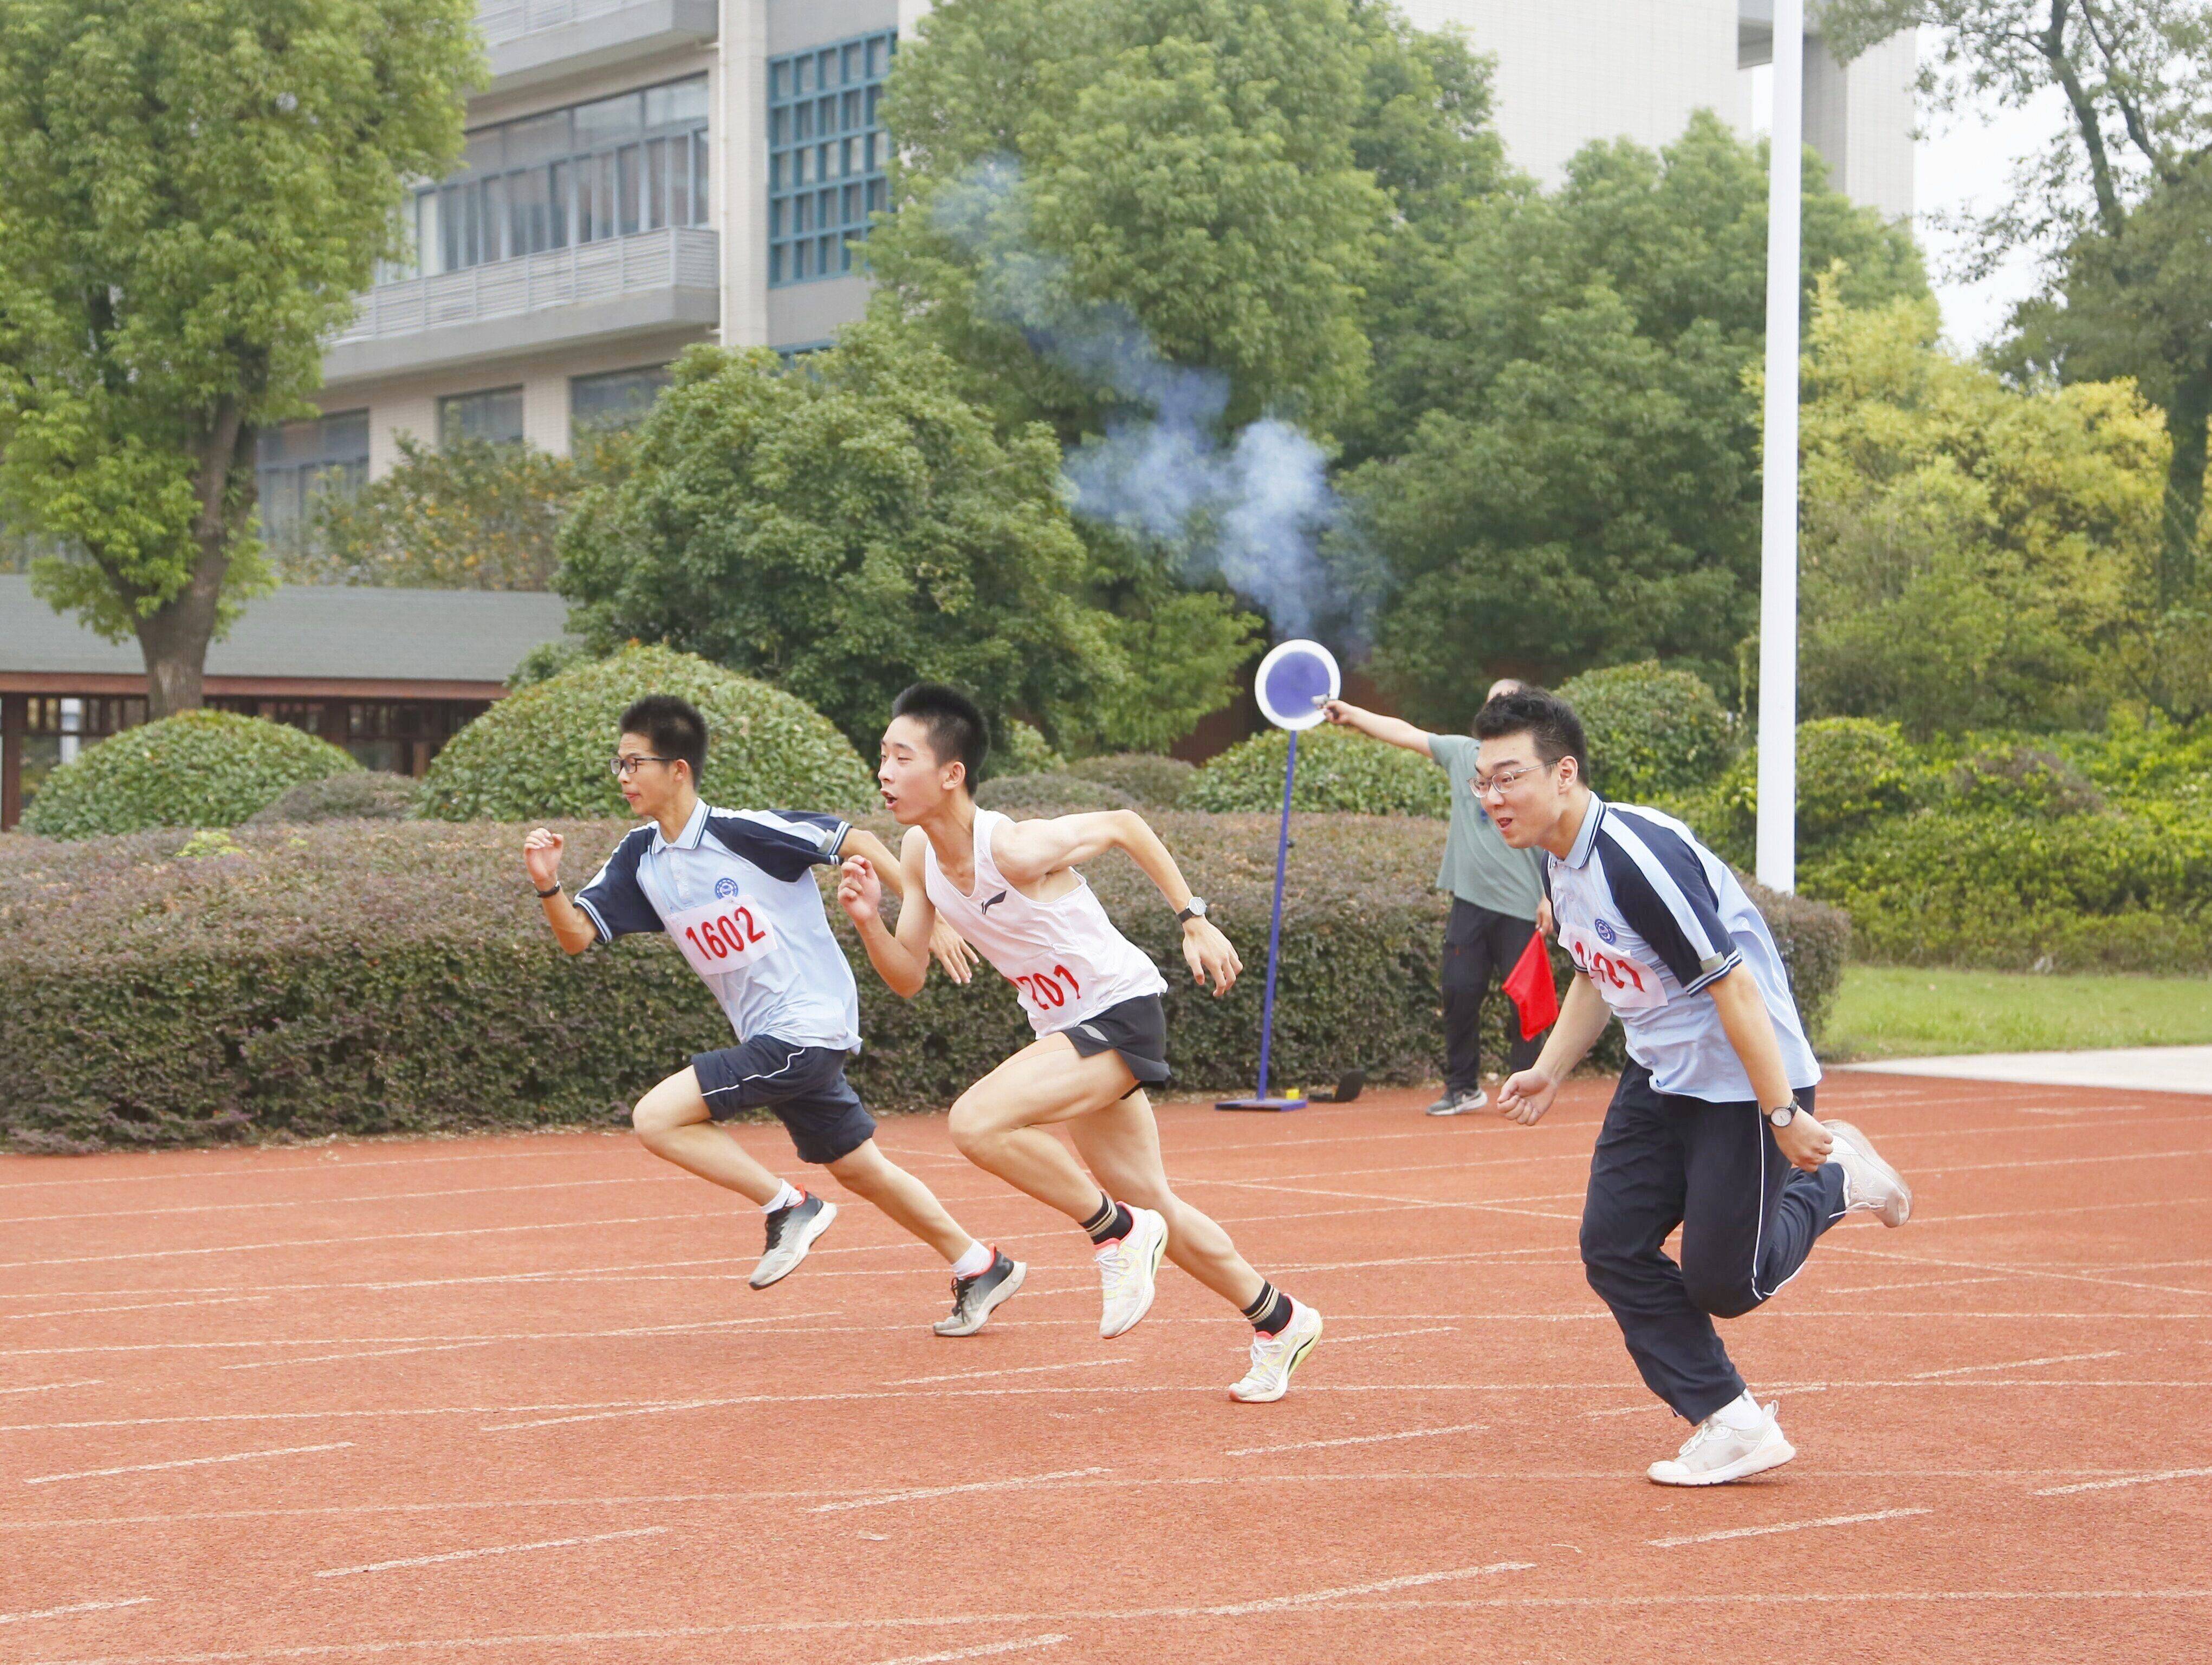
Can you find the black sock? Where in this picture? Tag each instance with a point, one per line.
(1112, 1220)
(1270, 1310)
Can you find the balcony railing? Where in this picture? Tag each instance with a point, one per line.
(503, 21)
(672, 257)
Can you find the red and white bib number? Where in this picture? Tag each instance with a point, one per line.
(723, 936)
(1627, 984)
(1046, 989)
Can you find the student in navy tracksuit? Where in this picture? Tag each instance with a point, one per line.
(1712, 1126)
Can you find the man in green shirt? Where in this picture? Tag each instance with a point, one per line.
(1498, 899)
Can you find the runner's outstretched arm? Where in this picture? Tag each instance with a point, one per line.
(1030, 851)
(947, 945)
(1583, 1017)
(1392, 731)
(541, 857)
(902, 960)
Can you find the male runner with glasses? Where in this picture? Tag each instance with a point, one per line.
(1498, 902)
(1711, 1126)
(735, 892)
(1093, 997)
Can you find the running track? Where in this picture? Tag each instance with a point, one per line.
(509, 1400)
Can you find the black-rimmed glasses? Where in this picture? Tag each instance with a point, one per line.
(622, 767)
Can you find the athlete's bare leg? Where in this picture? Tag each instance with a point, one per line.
(999, 1125)
(871, 1174)
(1121, 1146)
(674, 1123)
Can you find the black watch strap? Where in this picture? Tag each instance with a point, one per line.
(555, 891)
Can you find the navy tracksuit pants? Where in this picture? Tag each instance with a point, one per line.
(1748, 1216)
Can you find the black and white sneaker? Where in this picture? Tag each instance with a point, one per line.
(974, 1299)
(1459, 1102)
(791, 1233)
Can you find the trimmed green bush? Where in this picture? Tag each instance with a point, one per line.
(1055, 793)
(1155, 781)
(1852, 772)
(200, 768)
(2022, 780)
(1025, 752)
(543, 751)
(1652, 732)
(368, 794)
(397, 976)
(1337, 770)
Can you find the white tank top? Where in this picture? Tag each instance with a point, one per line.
(1065, 958)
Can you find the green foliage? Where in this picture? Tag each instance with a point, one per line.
(2022, 780)
(200, 768)
(1579, 484)
(1852, 772)
(1055, 792)
(367, 794)
(397, 977)
(543, 751)
(1155, 782)
(1337, 770)
(472, 515)
(849, 528)
(196, 190)
(1652, 731)
(1022, 751)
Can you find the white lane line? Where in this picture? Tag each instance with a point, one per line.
(278, 1169)
(188, 1463)
(2017, 1364)
(983, 1651)
(491, 1549)
(137, 1306)
(462, 1342)
(1891, 1257)
(2077, 1208)
(1356, 1439)
(1385, 1335)
(1017, 1369)
(915, 1494)
(1345, 1592)
(402, 1343)
(372, 1237)
(77, 1607)
(2124, 1479)
(1918, 1282)
(1783, 1526)
(50, 1386)
(335, 1201)
(1369, 1196)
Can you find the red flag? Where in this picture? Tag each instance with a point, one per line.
(1528, 986)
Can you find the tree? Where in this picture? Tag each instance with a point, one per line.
(854, 523)
(2121, 205)
(196, 190)
(1580, 486)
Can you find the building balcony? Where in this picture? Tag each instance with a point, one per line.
(594, 294)
(529, 42)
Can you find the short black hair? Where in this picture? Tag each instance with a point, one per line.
(954, 723)
(1543, 716)
(674, 727)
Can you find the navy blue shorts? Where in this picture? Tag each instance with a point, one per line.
(804, 1087)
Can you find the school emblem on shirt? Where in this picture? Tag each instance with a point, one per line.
(726, 888)
(1606, 933)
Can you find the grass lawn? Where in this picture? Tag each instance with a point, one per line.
(1895, 1012)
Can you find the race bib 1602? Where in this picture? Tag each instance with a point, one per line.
(726, 935)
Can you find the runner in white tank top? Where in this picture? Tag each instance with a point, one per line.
(1012, 890)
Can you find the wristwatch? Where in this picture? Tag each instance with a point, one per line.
(555, 891)
(1783, 1115)
(1194, 908)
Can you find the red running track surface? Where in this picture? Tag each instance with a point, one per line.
(509, 1399)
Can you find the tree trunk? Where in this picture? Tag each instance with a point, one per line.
(174, 641)
(2185, 420)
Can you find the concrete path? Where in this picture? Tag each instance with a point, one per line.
(2152, 1069)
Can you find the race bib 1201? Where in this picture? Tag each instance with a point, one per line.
(1627, 984)
(726, 935)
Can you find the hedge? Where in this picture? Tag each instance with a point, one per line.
(368, 794)
(543, 751)
(1155, 781)
(200, 768)
(1337, 770)
(1057, 793)
(397, 977)
(1650, 731)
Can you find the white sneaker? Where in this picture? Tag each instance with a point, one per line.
(1460, 1104)
(791, 1232)
(1274, 1356)
(1126, 1267)
(1716, 1454)
(1871, 1186)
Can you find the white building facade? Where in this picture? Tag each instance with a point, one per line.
(642, 174)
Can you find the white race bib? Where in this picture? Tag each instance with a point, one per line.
(1046, 989)
(727, 935)
(1628, 985)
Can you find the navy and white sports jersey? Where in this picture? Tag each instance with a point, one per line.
(1653, 918)
(736, 893)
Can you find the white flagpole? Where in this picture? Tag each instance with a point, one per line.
(1776, 855)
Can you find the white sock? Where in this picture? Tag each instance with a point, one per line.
(1742, 1414)
(785, 1198)
(976, 1263)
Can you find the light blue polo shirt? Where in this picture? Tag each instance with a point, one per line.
(736, 892)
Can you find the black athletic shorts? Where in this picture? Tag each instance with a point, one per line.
(1137, 1028)
(805, 1086)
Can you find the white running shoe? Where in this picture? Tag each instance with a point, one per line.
(1127, 1267)
(1871, 1186)
(1274, 1356)
(1716, 1454)
(791, 1232)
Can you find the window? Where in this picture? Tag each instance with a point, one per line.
(494, 415)
(297, 463)
(612, 168)
(827, 155)
(619, 398)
